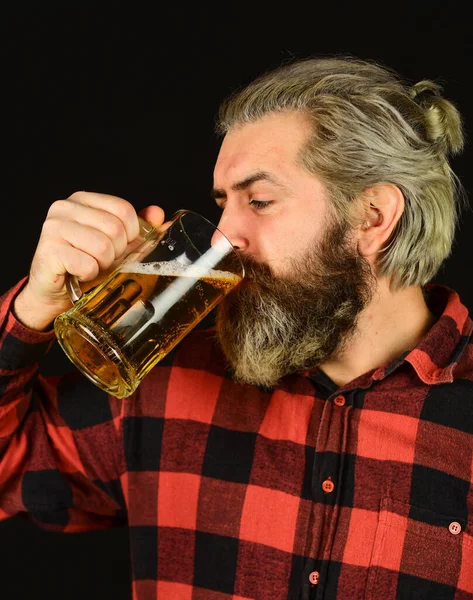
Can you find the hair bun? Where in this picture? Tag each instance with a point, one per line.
(442, 120)
(424, 91)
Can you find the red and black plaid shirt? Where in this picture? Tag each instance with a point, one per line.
(307, 491)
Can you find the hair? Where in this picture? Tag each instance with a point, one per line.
(369, 127)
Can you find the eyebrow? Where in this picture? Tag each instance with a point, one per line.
(244, 184)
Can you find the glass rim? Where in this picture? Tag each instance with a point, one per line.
(183, 211)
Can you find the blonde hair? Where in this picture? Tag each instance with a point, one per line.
(369, 127)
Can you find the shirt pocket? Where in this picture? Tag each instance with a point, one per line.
(419, 554)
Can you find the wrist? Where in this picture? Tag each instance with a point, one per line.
(35, 314)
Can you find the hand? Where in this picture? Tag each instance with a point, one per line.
(85, 235)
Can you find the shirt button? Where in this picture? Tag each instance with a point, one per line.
(328, 486)
(454, 528)
(314, 577)
(340, 401)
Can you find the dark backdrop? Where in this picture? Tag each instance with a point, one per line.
(124, 102)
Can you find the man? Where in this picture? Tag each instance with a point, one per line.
(318, 443)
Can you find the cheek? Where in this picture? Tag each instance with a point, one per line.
(297, 239)
(278, 245)
(282, 237)
(272, 240)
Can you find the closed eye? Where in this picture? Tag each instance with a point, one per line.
(260, 204)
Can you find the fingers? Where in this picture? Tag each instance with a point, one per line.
(114, 205)
(76, 262)
(95, 223)
(83, 238)
(111, 215)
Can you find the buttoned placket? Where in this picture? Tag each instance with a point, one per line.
(335, 418)
(324, 484)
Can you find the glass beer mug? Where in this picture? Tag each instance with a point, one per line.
(117, 331)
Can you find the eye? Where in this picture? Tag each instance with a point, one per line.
(260, 204)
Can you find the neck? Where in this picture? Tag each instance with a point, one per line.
(392, 323)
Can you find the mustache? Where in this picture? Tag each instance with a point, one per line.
(253, 270)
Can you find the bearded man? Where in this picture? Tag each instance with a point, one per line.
(317, 442)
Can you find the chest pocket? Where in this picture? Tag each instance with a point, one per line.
(419, 554)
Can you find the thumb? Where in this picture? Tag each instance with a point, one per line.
(155, 216)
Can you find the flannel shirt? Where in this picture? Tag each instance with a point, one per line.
(306, 491)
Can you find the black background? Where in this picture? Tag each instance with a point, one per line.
(123, 101)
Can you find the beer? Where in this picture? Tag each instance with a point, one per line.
(138, 315)
(119, 329)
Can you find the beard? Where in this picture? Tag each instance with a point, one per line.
(271, 326)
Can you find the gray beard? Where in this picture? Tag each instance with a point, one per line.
(269, 326)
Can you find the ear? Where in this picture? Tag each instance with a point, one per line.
(383, 206)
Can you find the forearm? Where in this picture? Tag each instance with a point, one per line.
(21, 348)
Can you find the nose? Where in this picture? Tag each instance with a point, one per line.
(233, 229)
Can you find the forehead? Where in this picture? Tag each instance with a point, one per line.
(270, 144)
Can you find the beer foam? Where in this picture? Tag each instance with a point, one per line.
(176, 268)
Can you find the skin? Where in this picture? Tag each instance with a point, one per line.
(87, 233)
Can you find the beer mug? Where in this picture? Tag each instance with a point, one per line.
(116, 332)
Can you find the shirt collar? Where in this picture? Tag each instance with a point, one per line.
(438, 353)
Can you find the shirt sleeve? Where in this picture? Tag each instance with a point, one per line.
(61, 447)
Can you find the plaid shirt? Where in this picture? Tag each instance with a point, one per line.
(306, 491)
